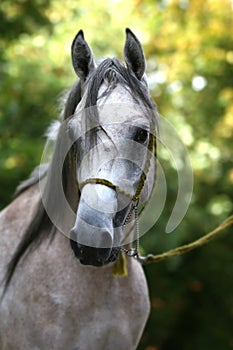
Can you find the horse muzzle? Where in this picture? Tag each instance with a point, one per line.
(94, 256)
(94, 239)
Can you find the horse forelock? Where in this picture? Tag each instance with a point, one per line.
(112, 71)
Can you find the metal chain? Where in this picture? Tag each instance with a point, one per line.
(134, 252)
(137, 243)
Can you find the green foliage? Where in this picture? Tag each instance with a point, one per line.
(21, 17)
(188, 44)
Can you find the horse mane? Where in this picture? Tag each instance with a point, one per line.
(40, 227)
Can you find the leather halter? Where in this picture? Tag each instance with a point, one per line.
(133, 252)
(136, 196)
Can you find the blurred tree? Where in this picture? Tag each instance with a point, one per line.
(23, 115)
(22, 16)
(188, 44)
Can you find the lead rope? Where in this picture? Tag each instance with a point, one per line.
(120, 268)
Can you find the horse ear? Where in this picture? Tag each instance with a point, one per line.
(82, 57)
(134, 55)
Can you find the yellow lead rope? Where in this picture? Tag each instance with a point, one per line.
(120, 267)
(187, 247)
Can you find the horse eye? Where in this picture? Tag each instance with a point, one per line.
(140, 135)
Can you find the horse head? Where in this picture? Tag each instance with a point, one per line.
(113, 138)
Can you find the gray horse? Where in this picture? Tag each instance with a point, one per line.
(72, 220)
